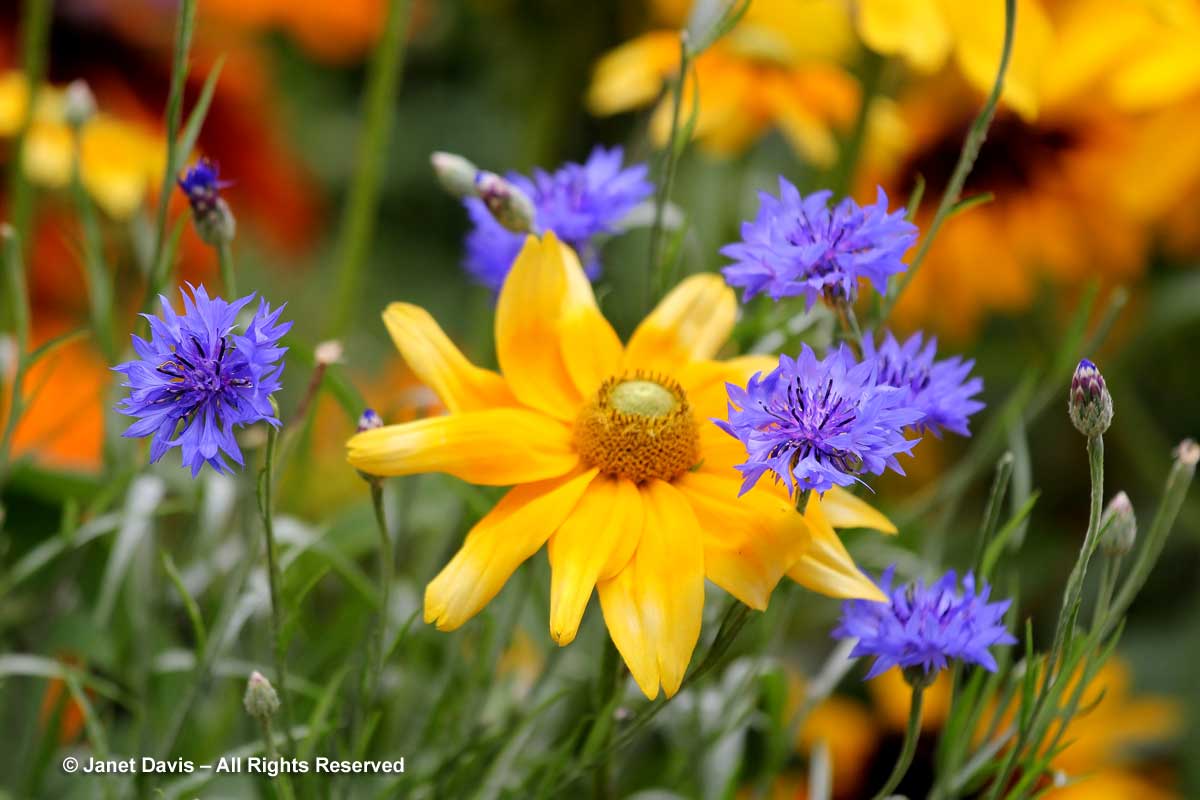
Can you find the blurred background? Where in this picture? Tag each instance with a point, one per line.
(1087, 229)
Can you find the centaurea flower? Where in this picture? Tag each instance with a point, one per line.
(942, 390)
(202, 185)
(815, 423)
(799, 247)
(923, 628)
(197, 378)
(577, 201)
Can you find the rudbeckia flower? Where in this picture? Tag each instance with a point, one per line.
(613, 464)
(119, 160)
(778, 68)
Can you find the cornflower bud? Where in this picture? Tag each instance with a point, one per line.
(455, 173)
(79, 104)
(508, 204)
(210, 213)
(369, 420)
(1118, 526)
(261, 701)
(1089, 405)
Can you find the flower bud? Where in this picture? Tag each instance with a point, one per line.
(1118, 526)
(369, 420)
(210, 213)
(328, 352)
(1188, 452)
(1090, 404)
(261, 701)
(455, 173)
(508, 204)
(79, 104)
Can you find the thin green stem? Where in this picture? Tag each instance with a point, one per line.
(185, 24)
(358, 220)
(386, 558)
(274, 579)
(911, 734)
(1110, 569)
(18, 293)
(663, 195)
(99, 283)
(966, 161)
(842, 181)
(35, 30)
(228, 273)
(802, 496)
(285, 784)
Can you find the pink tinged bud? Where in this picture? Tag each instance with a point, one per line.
(261, 701)
(1089, 404)
(1118, 526)
(508, 204)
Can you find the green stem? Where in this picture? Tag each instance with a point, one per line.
(228, 273)
(285, 784)
(386, 558)
(35, 28)
(1110, 569)
(911, 734)
(966, 160)
(18, 294)
(99, 283)
(278, 646)
(842, 181)
(358, 220)
(663, 196)
(802, 496)
(184, 26)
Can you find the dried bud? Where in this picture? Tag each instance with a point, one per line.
(369, 420)
(508, 204)
(1090, 404)
(1188, 452)
(79, 104)
(328, 352)
(1118, 526)
(261, 701)
(455, 174)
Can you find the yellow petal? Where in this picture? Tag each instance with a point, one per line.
(433, 358)
(749, 541)
(826, 567)
(595, 543)
(978, 31)
(632, 75)
(653, 607)
(704, 381)
(537, 296)
(590, 347)
(844, 510)
(690, 324)
(913, 29)
(513, 531)
(498, 447)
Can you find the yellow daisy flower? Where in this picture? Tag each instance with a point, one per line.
(778, 68)
(119, 161)
(614, 464)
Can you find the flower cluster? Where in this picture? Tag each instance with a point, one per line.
(577, 201)
(925, 627)
(941, 390)
(798, 247)
(196, 378)
(815, 423)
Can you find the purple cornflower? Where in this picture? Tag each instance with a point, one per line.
(816, 422)
(798, 246)
(577, 201)
(196, 378)
(926, 627)
(942, 390)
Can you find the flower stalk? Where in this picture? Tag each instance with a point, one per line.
(911, 734)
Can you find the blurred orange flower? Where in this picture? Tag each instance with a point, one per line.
(778, 68)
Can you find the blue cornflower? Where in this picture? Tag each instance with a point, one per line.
(940, 389)
(926, 627)
(202, 185)
(798, 247)
(197, 378)
(816, 422)
(577, 201)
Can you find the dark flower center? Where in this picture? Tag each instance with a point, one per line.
(808, 419)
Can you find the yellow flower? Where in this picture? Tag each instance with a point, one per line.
(1078, 192)
(119, 160)
(614, 464)
(777, 68)
(927, 32)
